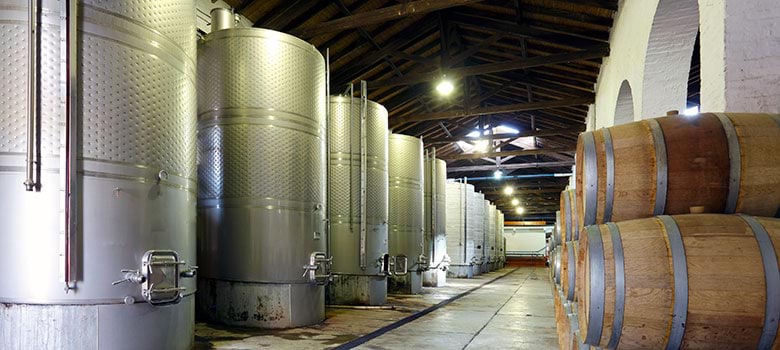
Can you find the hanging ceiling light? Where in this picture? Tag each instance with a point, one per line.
(497, 174)
(520, 210)
(445, 87)
(515, 201)
(508, 190)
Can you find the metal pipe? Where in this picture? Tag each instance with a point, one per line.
(363, 170)
(465, 220)
(69, 51)
(328, 182)
(32, 166)
(222, 18)
(434, 197)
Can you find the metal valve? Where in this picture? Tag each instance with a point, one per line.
(189, 273)
(131, 276)
(162, 176)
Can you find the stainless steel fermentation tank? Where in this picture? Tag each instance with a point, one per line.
(261, 195)
(406, 214)
(108, 117)
(460, 243)
(475, 212)
(500, 240)
(491, 248)
(357, 201)
(435, 182)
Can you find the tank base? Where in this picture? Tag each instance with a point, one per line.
(409, 284)
(460, 271)
(356, 290)
(260, 305)
(485, 267)
(476, 270)
(96, 327)
(434, 278)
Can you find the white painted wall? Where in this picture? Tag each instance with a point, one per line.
(650, 47)
(525, 239)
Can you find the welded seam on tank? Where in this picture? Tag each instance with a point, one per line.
(772, 278)
(680, 271)
(381, 331)
(572, 267)
(661, 167)
(405, 182)
(620, 286)
(261, 117)
(609, 155)
(597, 288)
(13, 162)
(735, 163)
(591, 179)
(139, 170)
(133, 34)
(107, 19)
(258, 203)
(19, 15)
(265, 34)
(94, 301)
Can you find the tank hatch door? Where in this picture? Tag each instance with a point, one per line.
(318, 268)
(160, 277)
(400, 265)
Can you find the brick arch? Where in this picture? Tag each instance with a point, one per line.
(668, 57)
(624, 106)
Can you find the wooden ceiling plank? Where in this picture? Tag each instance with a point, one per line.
(377, 16)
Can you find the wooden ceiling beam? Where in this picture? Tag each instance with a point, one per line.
(524, 152)
(512, 166)
(366, 62)
(518, 107)
(524, 133)
(377, 16)
(594, 52)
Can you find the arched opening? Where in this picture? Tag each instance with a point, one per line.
(694, 80)
(668, 57)
(624, 107)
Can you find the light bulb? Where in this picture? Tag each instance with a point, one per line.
(445, 87)
(508, 190)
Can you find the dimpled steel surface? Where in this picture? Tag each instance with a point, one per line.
(136, 112)
(261, 193)
(345, 185)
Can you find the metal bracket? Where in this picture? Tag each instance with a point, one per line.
(160, 276)
(384, 265)
(318, 261)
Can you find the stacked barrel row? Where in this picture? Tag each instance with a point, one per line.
(674, 235)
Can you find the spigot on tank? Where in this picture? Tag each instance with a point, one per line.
(133, 276)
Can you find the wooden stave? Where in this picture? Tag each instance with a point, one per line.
(694, 331)
(757, 136)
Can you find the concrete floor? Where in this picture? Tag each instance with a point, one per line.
(508, 309)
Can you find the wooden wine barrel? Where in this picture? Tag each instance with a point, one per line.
(707, 281)
(568, 269)
(562, 321)
(569, 224)
(722, 163)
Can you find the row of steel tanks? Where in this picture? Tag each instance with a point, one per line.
(124, 142)
(474, 231)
